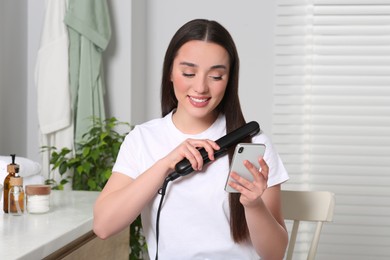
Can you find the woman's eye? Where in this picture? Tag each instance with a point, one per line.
(216, 77)
(189, 75)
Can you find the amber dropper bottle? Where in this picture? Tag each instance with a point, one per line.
(12, 170)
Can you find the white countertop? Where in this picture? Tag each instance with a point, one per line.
(34, 236)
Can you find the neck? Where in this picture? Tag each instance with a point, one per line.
(193, 125)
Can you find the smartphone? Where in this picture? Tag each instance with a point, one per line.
(244, 151)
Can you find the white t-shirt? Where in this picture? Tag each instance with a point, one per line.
(194, 220)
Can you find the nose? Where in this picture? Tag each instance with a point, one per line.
(201, 84)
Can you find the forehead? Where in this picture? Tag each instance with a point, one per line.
(203, 53)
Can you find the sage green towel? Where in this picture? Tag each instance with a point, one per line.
(89, 30)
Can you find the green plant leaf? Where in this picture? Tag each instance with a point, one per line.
(63, 167)
(92, 184)
(107, 174)
(64, 181)
(87, 167)
(80, 169)
(95, 154)
(86, 151)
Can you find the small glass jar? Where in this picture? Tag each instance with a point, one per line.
(38, 198)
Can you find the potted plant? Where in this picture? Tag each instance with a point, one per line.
(90, 166)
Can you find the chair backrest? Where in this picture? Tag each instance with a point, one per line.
(312, 206)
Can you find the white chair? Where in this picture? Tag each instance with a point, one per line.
(312, 206)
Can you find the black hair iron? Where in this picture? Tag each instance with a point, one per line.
(184, 167)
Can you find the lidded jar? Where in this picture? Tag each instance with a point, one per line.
(38, 198)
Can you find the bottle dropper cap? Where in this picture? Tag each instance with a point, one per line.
(13, 167)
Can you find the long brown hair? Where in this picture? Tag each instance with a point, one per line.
(211, 31)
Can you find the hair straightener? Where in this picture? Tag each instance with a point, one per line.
(184, 167)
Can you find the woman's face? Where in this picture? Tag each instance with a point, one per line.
(200, 75)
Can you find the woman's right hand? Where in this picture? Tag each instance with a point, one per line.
(190, 149)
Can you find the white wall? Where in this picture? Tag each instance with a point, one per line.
(36, 12)
(13, 70)
(133, 60)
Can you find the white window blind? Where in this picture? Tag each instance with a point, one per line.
(331, 121)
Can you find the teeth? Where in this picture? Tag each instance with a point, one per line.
(198, 100)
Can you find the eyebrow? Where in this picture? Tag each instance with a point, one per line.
(189, 64)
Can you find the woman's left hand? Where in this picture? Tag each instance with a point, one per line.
(251, 192)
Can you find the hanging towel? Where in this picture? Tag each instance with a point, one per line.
(52, 72)
(52, 82)
(89, 30)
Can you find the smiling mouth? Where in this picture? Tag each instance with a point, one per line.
(199, 100)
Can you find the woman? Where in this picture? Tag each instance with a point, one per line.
(199, 220)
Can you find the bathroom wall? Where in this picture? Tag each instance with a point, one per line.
(13, 77)
(133, 60)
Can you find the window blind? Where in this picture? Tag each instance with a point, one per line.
(331, 117)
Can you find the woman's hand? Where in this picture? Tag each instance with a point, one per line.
(190, 149)
(251, 192)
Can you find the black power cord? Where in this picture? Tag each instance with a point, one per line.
(171, 177)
